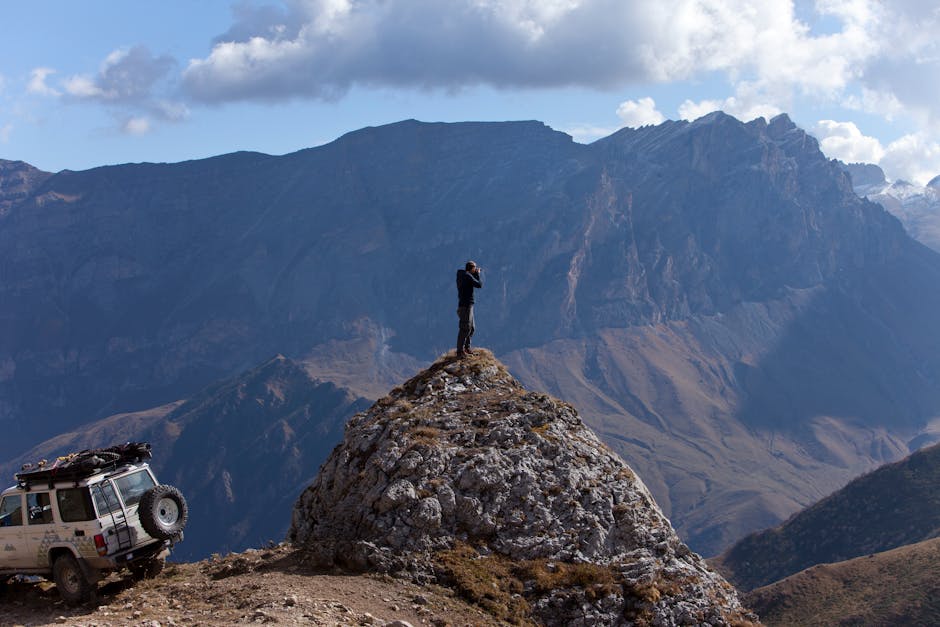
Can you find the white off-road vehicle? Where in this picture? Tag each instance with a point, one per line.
(88, 514)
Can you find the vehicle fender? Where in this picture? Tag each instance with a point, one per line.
(81, 548)
(92, 574)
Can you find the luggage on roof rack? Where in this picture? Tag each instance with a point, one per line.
(75, 466)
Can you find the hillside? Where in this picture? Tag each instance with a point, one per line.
(270, 585)
(896, 505)
(897, 587)
(732, 319)
(241, 450)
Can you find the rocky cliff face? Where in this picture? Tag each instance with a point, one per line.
(461, 464)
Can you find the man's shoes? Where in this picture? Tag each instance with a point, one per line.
(461, 354)
(468, 351)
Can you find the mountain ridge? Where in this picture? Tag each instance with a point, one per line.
(736, 250)
(892, 506)
(895, 587)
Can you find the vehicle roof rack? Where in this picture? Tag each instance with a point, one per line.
(78, 466)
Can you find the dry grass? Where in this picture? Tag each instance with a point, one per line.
(504, 588)
(897, 587)
(425, 435)
(487, 582)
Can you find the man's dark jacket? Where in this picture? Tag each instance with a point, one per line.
(465, 284)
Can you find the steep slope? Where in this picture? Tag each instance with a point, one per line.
(462, 475)
(895, 505)
(897, 587)
(735, 321)
(240, 450)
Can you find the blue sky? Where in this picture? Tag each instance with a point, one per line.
(84, 84)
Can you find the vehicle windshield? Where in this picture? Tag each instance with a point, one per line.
(133, 486)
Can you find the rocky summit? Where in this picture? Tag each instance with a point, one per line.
(463, 477)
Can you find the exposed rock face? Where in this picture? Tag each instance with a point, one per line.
(17, 180)
(462, 454)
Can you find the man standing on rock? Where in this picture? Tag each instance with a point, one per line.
(468, 280)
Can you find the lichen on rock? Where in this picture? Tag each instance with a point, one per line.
(462, 467)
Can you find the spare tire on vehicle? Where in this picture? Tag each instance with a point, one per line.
(163, 512)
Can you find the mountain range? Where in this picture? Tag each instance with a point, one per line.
(896, 587)
(918, 207)
(864, 555)
(893, 506)
(722, 308)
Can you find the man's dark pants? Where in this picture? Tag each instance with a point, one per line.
(466, 328)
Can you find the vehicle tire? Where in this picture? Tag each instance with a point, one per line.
(70, 580)
(147, 569)
(163, 512)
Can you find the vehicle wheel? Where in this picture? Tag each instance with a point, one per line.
(147, 569)
(163, 512)
(70, 580)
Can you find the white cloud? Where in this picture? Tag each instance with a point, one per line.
(136, 126)
(880, 103)
(742, 110)
(319, 48)
(127, 75)
(131, 83)
(635, 113)
(83, 87)
(867, 54)
(5, 131)
(587, 133)
(37, 82)
(914, 157)
(844, 141)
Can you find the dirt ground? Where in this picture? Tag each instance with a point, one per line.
(267, 586)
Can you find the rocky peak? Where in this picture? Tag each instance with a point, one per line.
(462, 473)
(865, 175)
(17, 180)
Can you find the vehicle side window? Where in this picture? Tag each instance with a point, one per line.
(75, 504)
(39, 507)
(11, 511)
(106, 500)
(133, 486)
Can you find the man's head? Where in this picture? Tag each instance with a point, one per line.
(470, 266)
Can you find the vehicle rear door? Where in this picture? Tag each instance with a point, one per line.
(14, 553)
(39, 528)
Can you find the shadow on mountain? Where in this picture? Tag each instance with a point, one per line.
(846, 359)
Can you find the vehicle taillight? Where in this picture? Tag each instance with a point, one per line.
(101, 545)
